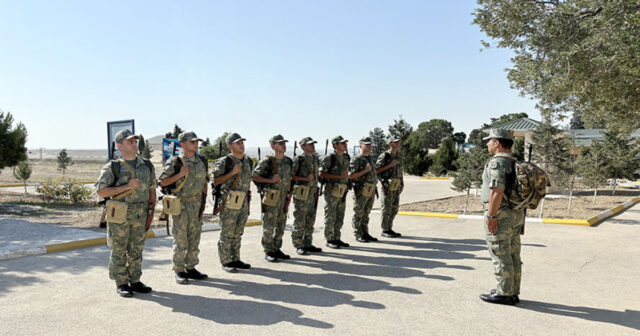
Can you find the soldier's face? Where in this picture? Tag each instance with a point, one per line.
(394, 145)
(279, 147)
(237, 147)
(342, 146)
(189, 146)
(309, 148)
(492, 145)
(365, 148)
(129, 146)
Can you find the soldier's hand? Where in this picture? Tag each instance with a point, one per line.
(394, 163)
(184, 171)
(367, 168)
(343, 174)
(236, 169)
(133, 183)
(309, 177)
(275, 178)
(492, 225)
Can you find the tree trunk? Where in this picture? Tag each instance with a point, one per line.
(570, 192)
(614, 183)
(25, 188)
(595, 193)
(466, 205)
(542, 204)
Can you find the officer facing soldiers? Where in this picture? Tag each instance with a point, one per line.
(334, 172)
(389, 169)
(130, 184)
(305, 197)
(502, 223)
(272, 175)
(364, 179)
(232, 179)
(186, 177)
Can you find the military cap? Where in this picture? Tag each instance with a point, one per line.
(306, 140)
(188, 136)
(365, 141)
(392, 138)
(499, 134)
(338, 139)
(233, 138)
(124, 135)
(277, 138)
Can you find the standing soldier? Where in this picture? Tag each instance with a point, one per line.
(389, 169)
(335, 175)
(272, 176)
(130, 183)
(502, 223)
(364, 179)
(305, 197)
(186, 177)
(232, 179)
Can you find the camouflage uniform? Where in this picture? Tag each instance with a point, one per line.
(362, 205)
(274, 218)
(390, 199)
(126, 240)
(304, 212)
(504, 245)
(232, 221)
(187, 226)
(334, 206)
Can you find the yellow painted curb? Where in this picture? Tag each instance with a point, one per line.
(253, 223)
(75, 244)
(434, 178)
(564, 221)
(428, 214)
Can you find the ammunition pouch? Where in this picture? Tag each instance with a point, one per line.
(235, 200)
(116, 212)
(301, 192)
(367, 190)
(394, 184)
(270, 197)
(171, 205)
(338, 189)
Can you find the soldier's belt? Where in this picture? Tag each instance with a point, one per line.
(301, 192)
(270, 197)
(235, 200)
(116, 212)
(394, 184)
(191, 198)
(338, 189)
(367, 190)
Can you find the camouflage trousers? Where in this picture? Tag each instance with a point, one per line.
(232, 223)
(504, 248)
(333, 215)
(304, 214)
(361, 210)
(126, 241)
(186, 231)
(273, 223)
(390, 203)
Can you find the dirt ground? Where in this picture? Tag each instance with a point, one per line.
(555, 206)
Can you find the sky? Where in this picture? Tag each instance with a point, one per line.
(297, 68)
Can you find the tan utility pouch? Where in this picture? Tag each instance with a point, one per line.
(394, 184)
(235, 200)
(301, 192)
(338, 189)
(270, 197)
(116, 212)
(368, 189)
(171, 205)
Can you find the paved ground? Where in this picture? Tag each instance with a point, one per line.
(577, 280)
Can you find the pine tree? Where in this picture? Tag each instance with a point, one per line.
(378, 142)
(619, 157)
(64, 161)
(590, 168)
(146, 151)
(443, 160)
(13, 141)
(23, 173)
(469, 173)
(174, 134)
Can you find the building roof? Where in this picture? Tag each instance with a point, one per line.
(584, 137)
(520, 125)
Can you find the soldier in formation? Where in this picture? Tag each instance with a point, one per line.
(363, 176)
(335, 174)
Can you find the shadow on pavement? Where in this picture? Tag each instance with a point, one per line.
(394, 261)
(334, 281)
(232, 311)
(627, 318)
(365, 270)
(310, 296)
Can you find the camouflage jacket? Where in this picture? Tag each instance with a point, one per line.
(142, 171)
(196, 179)
(225, 164)
(335, 164)
(498, 173)
(270, 166)
(359, 163)
(304, 165)
(392, 173)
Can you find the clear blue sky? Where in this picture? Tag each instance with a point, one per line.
(300, 68)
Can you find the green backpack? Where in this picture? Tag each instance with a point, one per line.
(529, 187)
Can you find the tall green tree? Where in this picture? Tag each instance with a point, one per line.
(459, 138)
(444, 158)
(378, 142)
(431, 133)
(571, 55)
(173, 134)
(217, 149)
(64, 161)
(400, 129)
(23, 173)
(13, 140)
(591, 168)
(620, 159)
(469, 173)
(146, 151)
(416, 156)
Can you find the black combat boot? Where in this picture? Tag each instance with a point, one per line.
(195, 274)
(140, 287)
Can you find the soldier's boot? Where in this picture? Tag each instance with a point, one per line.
(140, 287)
(229, 267)
(271, 256)
(312, 248)
(333, 244)
(370, 238)
(281, 255)
(342, 244)
(302, 251)
(195, 274)
(362, 239)
(515, 297)
(499, 299)
(124, 291)
(182, 278)
(390, 234)
(241, 265)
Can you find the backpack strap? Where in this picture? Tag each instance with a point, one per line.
(175, 192)
(128, 192)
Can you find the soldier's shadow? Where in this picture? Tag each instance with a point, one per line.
(627, 318)
(232, 311)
